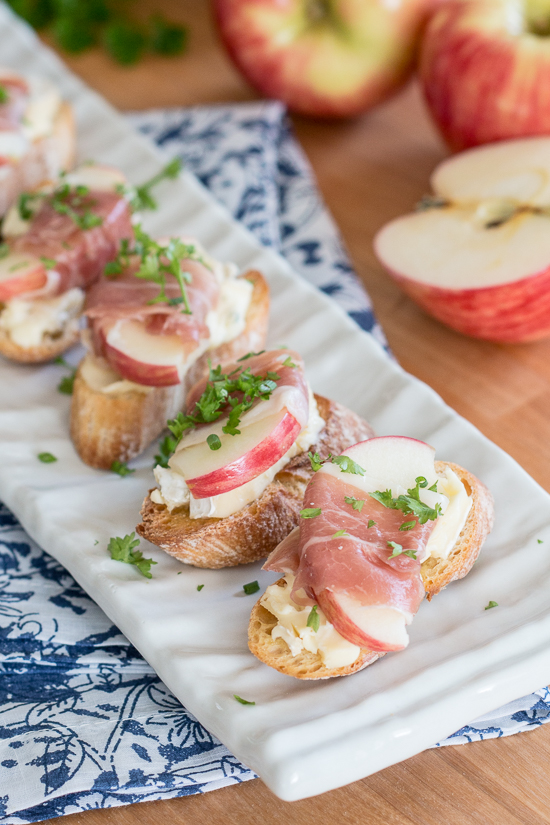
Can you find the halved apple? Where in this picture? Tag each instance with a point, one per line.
(20, 273)
(479, 258)
(240, 458)
(372, 627)
(140, 356)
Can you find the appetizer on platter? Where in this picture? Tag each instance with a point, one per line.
(37, 135)
(159, 314)
(233, 487)
(381, 526)
(57, 241)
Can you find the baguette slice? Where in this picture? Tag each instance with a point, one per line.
(436, 574)
(46, 158)
(51, 346)
(253, 532)
(107, 428)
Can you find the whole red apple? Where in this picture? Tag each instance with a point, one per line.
(485, 70)
(328, 58)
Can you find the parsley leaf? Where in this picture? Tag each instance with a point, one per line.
(166, 448)
(123, 549)
(346, 464)
(46, 458)
(310, 512)
(242, 701)
(340, 533)
(49, 263)
(167, 38)
(66, 385)
(142, 198)
(4, 96)
(288, 362)
(251, 355)
(316, 461)
(199, 587)
(398, 550)
(356, 503)
(4, 250)
(121, 468)
(371, 523)
(408, 525)
(539, 541)
(491, 604)
(409, 504)
(313, 620)
(24, 205)
(251, 587)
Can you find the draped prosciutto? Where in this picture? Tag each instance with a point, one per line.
(76, 257)
(355, 568)
(129, 298)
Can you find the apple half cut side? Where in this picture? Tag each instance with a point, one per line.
(240, 458)
(372, 627)
(138, 355)
(19, 274)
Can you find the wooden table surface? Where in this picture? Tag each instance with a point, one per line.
(370, 170)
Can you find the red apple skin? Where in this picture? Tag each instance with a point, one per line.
(481, 82)
(150, 375)
(347, 628)
(511, 313)
(286, 71)
(252, 464)
(26, 282)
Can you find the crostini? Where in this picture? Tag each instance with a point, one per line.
(164, 309)
(37, 135)
(57, 241)
(380, 528)
(233, 488)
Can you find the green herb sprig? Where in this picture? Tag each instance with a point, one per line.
(73, 201)
(66, 385)
(123, 549)
(121, 468)
(346, 464)
(313, 620)
(398, 551)
(409, 504)
(140, 196)
(46, 458)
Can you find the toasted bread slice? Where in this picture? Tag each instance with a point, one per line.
(436, 574)
(51, 346)
(253, 532)
(107, 428)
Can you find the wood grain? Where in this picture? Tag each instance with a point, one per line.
(369, 170)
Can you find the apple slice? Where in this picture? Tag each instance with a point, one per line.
(375, 628)
(390, 462)
(20, 273)
(240, 458)
(138, 355)
(96, 177)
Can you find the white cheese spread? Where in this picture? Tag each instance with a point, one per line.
(449, 525)
(28, 322)
(175, 493)
(42, 108)
(335, 651)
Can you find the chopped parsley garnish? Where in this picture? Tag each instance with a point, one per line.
(73, 201)
(66, 385)
(371, 523)
(491, 604)
(236, 392)
(310, 512)
(121, 468)
(4, 250)
(166, 448)
(251, 587)
(408, 525)
(156, 262)
(123, 549)
(346, 464)
(288, 362)
(96, 542)
(46, 458)
(49, 263)
(141, 197)
(433, 488)
(199, 587)
(23, 205)
(242, 701)
(398, 551)
(20, 265)
(356, 503)
(313, 620)
(251, 355)
(539, 541)
(340, 533)
(4, 96)
(214, 441)
(409, 504)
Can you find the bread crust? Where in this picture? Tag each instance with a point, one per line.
(107, 428)
(253, 532)
(436, 574)
(49, 349)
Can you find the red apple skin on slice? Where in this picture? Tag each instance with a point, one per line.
(342, 621)
(516, 312)
(133, 358)
(21, 278)
(251, 464)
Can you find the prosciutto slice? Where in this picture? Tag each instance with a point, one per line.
(291, 392)
(80, 255)
(357, 565)
(129, 297)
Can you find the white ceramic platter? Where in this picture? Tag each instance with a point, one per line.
(302, 738)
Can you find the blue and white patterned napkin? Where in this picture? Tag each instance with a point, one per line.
(84, 721)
